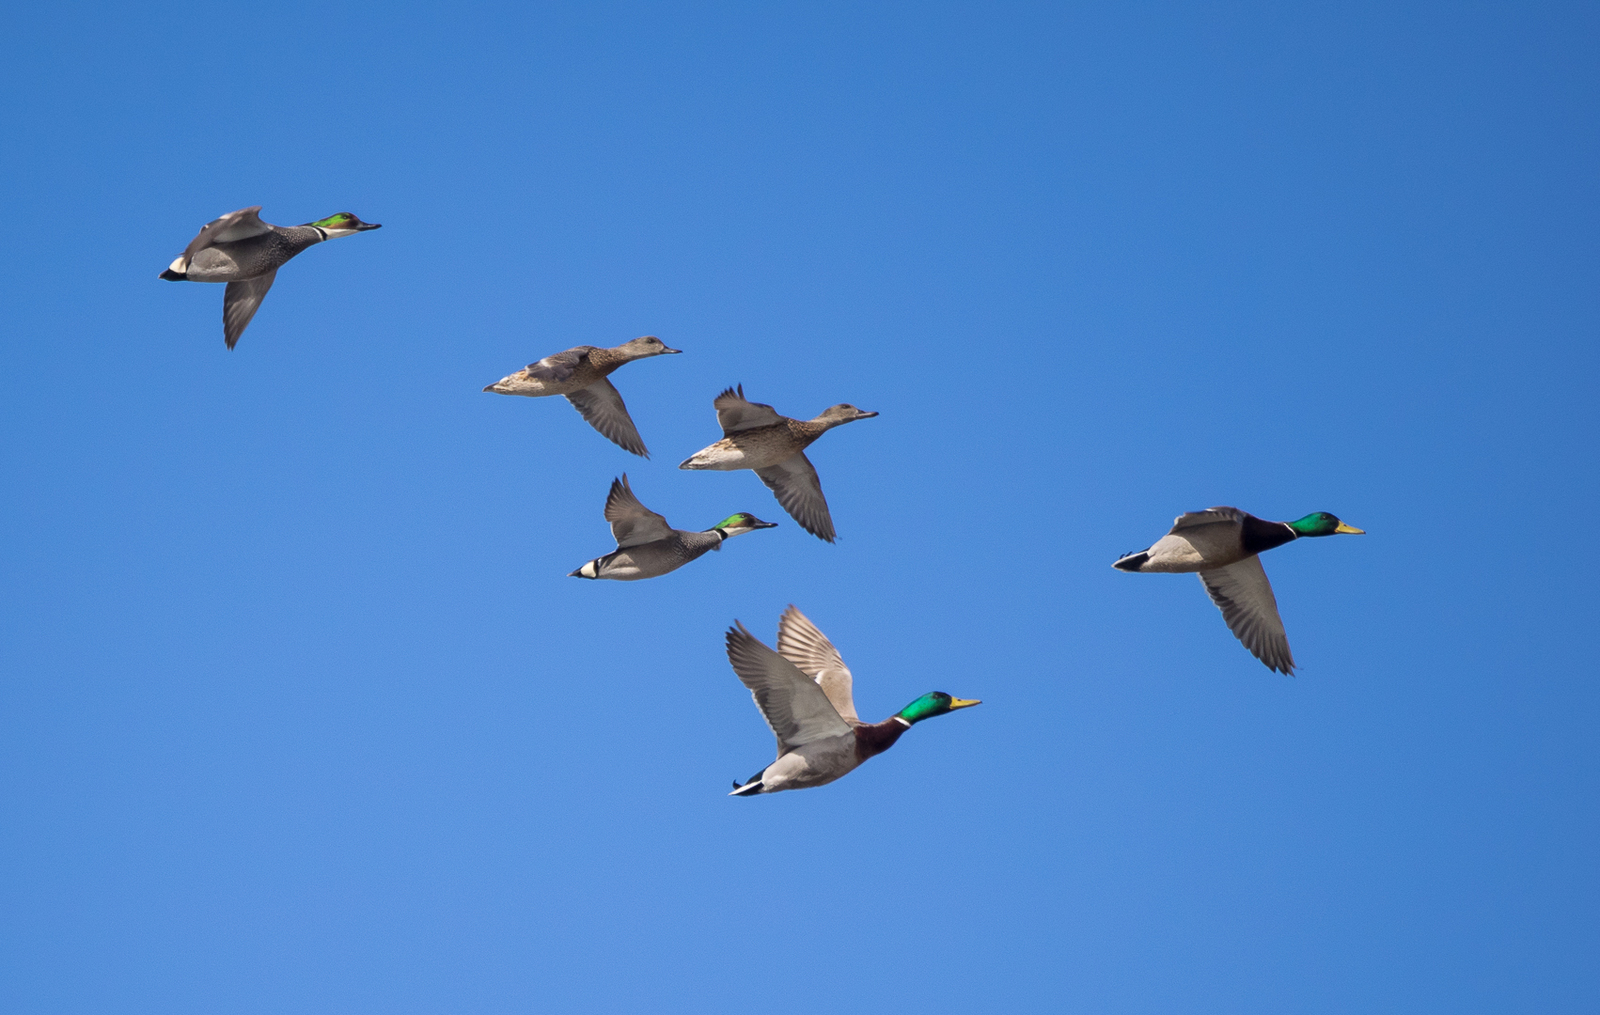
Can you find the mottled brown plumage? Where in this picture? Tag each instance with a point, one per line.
(756, 437)
(580, 374)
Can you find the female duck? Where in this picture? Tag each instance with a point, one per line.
(580, 374)
(755, 437)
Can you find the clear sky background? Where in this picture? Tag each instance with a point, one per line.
(301, 713)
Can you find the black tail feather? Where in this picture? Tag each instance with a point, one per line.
(1132, 561)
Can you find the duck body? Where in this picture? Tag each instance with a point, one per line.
(760, 448)
(823, 761)
(647, 547)
(756, 437)
(1201, 547)
(804, 691)
(244, 259)
(246, 253)
(1223, 546)
(580, 374)
(653, 559)
(571, 370)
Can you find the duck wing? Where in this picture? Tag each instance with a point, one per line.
(229, 228)
(1210, 516)
(793, 705)
(602, 406)
(794, 481)
(561, 366)
(240, 301)
(801, 643)
(1243, 594)
(631, 522)
(234, 226)
(735, 414)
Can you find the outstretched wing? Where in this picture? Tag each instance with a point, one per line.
(602, 407)
(794, 481)
(559, 367)
(240, 301)
(795, 707)
(801, 643)
(1243, 594)
(631, 522)
(1210, 516)
(735, 414)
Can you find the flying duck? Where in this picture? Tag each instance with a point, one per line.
(804, 692)
(755, 437)
(647, 547)
(580, 374)
(1222, 544)
(246, 253)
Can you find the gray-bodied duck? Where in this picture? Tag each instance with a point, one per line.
(804, 692)
(580, 374)
(1222, 544)
(246, 253)
(755, 437)
(647, 547)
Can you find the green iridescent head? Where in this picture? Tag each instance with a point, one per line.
(342, 224)
(934, 703)
(739, 524)
(1323, 524)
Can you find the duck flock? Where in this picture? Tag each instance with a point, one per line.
(803, 689)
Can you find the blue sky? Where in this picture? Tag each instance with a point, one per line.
(301, 714)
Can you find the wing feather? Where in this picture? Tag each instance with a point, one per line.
(795, 708)
(559, 367)
(800, 642)
(734, 413)
(1243, 594)
(602, 406)
(631, 522)
(240, 301)
(1210, 516)
(794, 481)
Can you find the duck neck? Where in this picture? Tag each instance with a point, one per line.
(809, 430)
(879, 737)
(301, 237)
(1257, 536)
(607, 360)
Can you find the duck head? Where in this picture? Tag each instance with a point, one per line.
(1321, 523)
(931, 704)
(844, 412)
(343, 224)
(647, 345)
(739, 524)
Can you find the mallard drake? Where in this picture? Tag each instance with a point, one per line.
(648, 547)
(755, 437)
(804, 692)
(580, 374)
(1223, 544)
(246, 253)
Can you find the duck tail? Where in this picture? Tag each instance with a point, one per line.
(1132, 561)
(750, 788)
